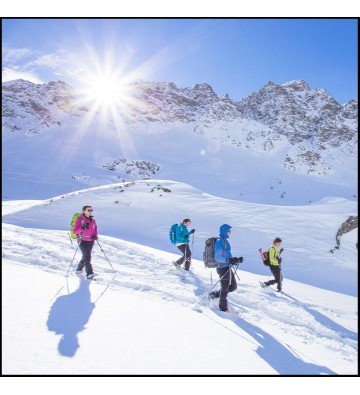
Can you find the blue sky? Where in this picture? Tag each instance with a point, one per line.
(235, 56)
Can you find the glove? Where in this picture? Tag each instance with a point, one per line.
(95, 237)
(192, 231)
(186, 236)
(279, 260)
(85, 226)
(234, 261)
(241, 259)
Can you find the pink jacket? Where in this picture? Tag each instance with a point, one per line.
(87, 234)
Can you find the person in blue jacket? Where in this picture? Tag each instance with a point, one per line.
(225, 261)
(182, 243)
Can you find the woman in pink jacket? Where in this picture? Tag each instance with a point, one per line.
(86, 230)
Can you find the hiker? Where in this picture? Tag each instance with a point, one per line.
(86, 230)
(275, 265)
(224, 269)
(182, 243)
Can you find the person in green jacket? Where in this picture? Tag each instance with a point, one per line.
(182, 243)
(275, 265)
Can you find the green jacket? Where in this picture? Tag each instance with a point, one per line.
(273, 254)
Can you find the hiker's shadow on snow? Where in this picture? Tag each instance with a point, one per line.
(68, 316)
(327, 322)
(279, 357)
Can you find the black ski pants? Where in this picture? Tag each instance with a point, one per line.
(227, 283)
(86, 248)
(184, 248)
(276, 272)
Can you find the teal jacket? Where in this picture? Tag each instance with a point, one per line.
(181, 233)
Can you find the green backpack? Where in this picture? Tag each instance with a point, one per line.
(72, 224)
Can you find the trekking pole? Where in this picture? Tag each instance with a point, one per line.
(237, 266)
(67, 273)
(216, 283)
(105, 256)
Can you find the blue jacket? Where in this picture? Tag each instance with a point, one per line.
(223, 248)
(181, 232)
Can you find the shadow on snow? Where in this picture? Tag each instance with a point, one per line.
(68, 316)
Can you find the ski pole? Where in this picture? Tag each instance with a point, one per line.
(67, 273)
(105, 255)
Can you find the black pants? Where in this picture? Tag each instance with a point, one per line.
(227, 283)
(86, 248)
(276, 272)
(184, 248)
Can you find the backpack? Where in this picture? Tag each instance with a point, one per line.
(209, 253)
(172, 233)
(266, 258)
(72, 224)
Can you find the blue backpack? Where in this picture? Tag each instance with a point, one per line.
(172, 233)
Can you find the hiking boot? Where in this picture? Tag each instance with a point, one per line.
(176, 265)
(213, 295)
(90, 276)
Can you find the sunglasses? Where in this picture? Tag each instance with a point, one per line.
(89, 209)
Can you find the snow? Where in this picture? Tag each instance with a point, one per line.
(215, 150)
(148, 319)
(151, 320)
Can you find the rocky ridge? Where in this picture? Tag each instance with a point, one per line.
(307, 128)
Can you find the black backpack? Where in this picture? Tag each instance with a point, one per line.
(209, 252)
(266, 258)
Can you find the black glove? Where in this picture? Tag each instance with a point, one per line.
(85, 226)
(192, 231)
(95, 237)
(241, 259)
(279, 260)
(186, 236)
(234, 261)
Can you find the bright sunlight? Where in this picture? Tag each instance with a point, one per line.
(105, 91)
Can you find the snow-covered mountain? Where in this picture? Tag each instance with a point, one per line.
(316, 125)
(285, 135)
(171, 153)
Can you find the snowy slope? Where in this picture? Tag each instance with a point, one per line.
(151, 320)
(142, 212)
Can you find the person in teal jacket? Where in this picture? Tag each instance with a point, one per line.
(225, 261)
(182, 243)
(275, 265)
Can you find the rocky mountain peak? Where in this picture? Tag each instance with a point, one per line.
(297, 86)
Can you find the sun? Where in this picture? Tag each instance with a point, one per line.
(105, 90)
